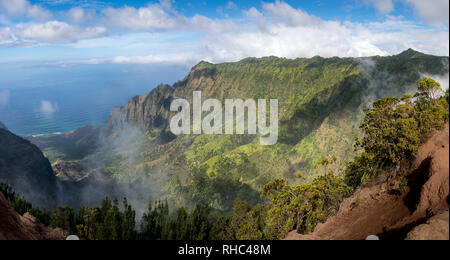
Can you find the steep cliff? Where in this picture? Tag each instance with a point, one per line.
(297, 84)
(25, 168)
(320, 106)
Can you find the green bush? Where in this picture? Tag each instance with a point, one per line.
(302, 207)
(394, 128)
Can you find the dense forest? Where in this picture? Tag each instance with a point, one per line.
(393, 128)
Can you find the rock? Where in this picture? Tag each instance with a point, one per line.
(436, 228)
(69, 171)
(26, 227)
(2, 126)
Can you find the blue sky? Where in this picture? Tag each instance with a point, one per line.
(327, 9)
(65, 32)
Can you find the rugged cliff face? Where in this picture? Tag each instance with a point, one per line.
(320, 105)
(25, 168)
(295, 83)
(26, 227)
(377, 208)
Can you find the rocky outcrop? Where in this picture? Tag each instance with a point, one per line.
(2, 126)
(24, 167)
(146, 111)
(436, 228)
(152, 110)
(26, 227)
(379, 208)
(69, 171)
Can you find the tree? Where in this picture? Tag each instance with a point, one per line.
(302, 207)
(128, 222)
(390, 131)
(394, 128)
(64, 217)
(430, 88)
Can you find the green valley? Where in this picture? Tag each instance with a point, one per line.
(321, 102)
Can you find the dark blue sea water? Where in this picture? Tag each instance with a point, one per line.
(38, 99)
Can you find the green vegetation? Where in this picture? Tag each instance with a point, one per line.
(22, 206)
(321, 108)
(302, 207)
(392, 130)
(322, 105)
(159, 224)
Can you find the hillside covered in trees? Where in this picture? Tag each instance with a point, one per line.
(321, 106)
(393, 129)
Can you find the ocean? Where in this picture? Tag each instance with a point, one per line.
(45, 99)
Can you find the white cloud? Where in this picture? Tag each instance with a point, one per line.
(152, 16)
(4, 98)
(435, 12)
(290, 16)
(288, 32)
(231, 5)
(161, 17)
(15, 7)
(5, 34)
(158, 58)
(80, 15)
(57, 32)
(383, 6)
(277, 29)
(19, 8)
(167, 5)
(330, 39)
(48, 108)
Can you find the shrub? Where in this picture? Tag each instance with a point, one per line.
(302, 207)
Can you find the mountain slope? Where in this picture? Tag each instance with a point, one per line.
(376, 209)
(24, 167)
(320, 101)
(26, 227)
